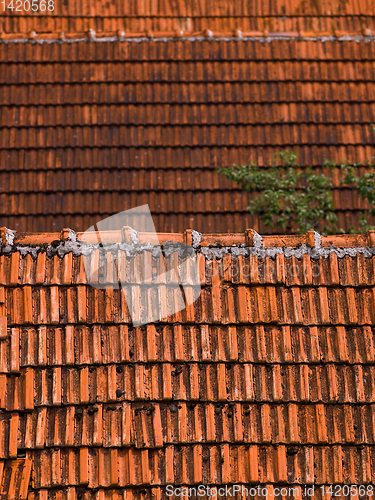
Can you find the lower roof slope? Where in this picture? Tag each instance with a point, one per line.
(91, 128)
(267, 378)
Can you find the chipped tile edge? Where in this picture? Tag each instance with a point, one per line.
(73, 245)
(265, 38)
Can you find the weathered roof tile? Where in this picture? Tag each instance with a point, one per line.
(267, 378)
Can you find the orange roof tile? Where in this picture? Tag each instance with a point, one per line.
(14, 477)
(267, 378)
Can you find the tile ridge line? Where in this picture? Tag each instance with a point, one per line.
(206, 35)
(211, 245)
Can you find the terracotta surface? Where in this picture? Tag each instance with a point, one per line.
(157, 17)
(92, 128)
(14, 478)
(267, 378)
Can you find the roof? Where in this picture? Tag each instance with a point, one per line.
(267, 378)
(160, 17)
(92, 128)
(107, 108)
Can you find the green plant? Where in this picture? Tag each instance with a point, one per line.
(289, 196)
(365, 185)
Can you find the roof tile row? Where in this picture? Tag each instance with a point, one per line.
(300, 306)
(208, 464)
(217, 193)
(194, 202)
(274, 51)
(202, 136)
(187, 93)
(194, 114)
(216, 382)
(102, 344)
(155, 425)
(203, 8)
(158, 493)
(169, 222)
(186, 72)
(168, 158)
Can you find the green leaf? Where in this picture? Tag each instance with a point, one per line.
(289, 196)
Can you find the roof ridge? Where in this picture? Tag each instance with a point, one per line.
(119, 35)
(14, 241)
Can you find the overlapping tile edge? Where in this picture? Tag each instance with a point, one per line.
(265, 36)
(210, 245)
(226, 397)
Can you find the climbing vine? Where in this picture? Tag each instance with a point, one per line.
(297, 199)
